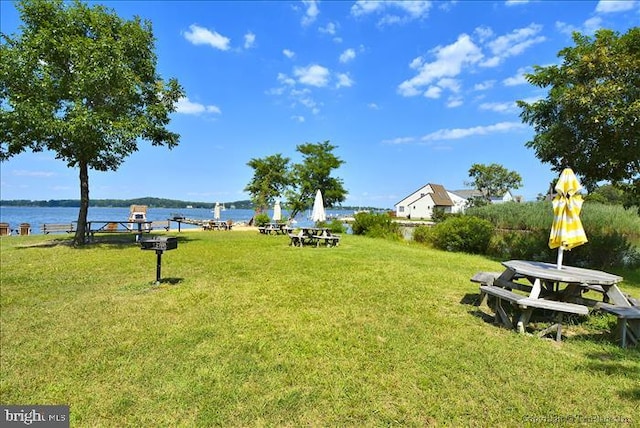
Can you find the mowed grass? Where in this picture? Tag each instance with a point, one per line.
(247, 331)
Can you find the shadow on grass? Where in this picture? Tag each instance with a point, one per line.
(124, 240)
(621, 363)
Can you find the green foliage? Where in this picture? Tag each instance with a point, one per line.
(375, 225)
(270, 179)
(589, 119)
(493, 180)
(261, 219)
(467, 233)
(335, 226)
(421, 234)
(80, 81)
(524, 234)
(318, 162)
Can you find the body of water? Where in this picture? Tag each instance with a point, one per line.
(36, 216)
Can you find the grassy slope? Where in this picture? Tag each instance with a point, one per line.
(248, 331)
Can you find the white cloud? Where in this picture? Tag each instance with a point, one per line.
(513, 44)
(311, 13)
(519, 78)
(433, 92)
(393, 12)
(506, 107)
(373, 106)
(454, 101)
(399, 140)
(298, 118)
(288, 53)
(483, 86)
(612, 6)
(331, 29)
(347, 55)
(286, 80)
(449, 61)
(249, 40)
(515, 2)
(589, 27)
(202, 36)
(185, 106)
(458, 133)
(344, 80)
(313, 75)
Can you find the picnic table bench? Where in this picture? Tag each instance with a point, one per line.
(545, 293)
(57, 228)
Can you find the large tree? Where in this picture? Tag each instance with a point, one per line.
(270, 178)
(590, 118)
(82, 82)
(493, 180)
(315, 173)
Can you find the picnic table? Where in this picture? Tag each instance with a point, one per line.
(216, 225)
(314, 236)
(558, 290)
(275, 228)
(117, 226)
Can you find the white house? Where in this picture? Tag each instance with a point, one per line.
(422, 202)
(473, 193)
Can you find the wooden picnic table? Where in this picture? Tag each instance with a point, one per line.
(113, 226)
(275, 228)
(314, 236)
(557, 290)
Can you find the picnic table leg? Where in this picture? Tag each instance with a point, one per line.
(524, 320)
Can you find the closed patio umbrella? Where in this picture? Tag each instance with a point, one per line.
(566, 231)
(277, 211)
(216, 211)
(318, 213)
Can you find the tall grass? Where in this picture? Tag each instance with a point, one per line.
(539, 216)
(245, 330)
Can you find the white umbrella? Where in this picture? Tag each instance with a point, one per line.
(216, 211)
(318, 213)
(277, 212)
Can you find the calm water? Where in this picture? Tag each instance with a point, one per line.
(36, 216)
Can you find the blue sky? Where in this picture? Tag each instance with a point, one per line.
(409, 92)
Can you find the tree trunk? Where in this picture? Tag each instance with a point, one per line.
(79, 239)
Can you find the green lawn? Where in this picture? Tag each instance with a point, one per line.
(247, 331)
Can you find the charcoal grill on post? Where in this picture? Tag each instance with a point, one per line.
(160, 245)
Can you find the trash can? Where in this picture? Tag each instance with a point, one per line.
(4, 229)
(25, 229)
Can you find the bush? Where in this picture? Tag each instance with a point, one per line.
(421, 234)
(261, 219)
(375, 225)
(336, 226)
(467, 233)
(603, 251)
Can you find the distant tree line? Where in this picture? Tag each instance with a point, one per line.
(149, 201)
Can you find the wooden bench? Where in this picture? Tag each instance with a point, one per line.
(57, 228)
(628, 322)
(330, 240)
(296, 240)
(527, 304)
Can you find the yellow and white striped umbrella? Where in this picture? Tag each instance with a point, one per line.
(567, 231)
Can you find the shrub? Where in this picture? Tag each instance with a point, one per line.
(261, 219)
(421, 234)
(467, 233)
(375, 225)
(336, 226)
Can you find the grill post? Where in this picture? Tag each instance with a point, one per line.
(159, 245)
(158, 266)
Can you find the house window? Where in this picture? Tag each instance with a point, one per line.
(400, 209)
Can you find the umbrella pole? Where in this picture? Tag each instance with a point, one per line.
(560, 255)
